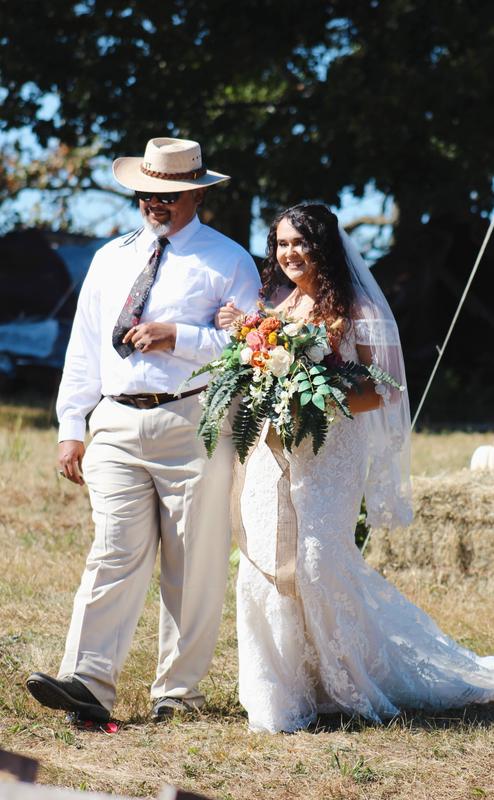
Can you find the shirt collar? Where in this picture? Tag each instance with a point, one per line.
(177, 240)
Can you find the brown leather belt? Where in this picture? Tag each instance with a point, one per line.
(153, 399)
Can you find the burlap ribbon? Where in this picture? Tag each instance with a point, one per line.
(287, 528)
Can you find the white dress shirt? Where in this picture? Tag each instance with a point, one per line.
(200, 271)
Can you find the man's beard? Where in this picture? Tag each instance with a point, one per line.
(159, 229)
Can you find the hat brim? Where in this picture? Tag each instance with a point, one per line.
(127, 171)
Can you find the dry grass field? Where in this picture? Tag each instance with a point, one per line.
(45, 530)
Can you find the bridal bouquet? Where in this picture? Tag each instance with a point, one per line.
(284, 371)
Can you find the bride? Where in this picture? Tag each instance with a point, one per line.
(333, 635)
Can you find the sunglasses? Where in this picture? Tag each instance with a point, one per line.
(162, 197)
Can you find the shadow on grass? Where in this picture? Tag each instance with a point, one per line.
(208, 713)
(474, 716)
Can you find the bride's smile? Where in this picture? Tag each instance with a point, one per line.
(293, 255)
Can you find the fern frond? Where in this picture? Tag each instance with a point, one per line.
(246, 428)
(311, 422)
(379, 376)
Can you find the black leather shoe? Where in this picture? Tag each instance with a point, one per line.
(68, 694)
(165, 707)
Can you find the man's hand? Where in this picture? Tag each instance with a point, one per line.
(226, 316)
(70, 453)
(152, 336)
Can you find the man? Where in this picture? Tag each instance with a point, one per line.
(144, 323)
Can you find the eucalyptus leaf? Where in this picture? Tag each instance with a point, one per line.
(317, 369)
(318, 401)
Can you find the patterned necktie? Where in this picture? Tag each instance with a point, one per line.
(131, 313)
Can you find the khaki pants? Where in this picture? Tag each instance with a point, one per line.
(151, 482)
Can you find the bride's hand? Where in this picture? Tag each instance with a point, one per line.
(226, 316)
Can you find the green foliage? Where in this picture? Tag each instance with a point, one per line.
(311, 422)
(218, 397)
(246, 427)
(378, 375)
(359, 771)
(280, 383)
(362, 529)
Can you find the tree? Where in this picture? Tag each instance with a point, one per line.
(295, 100)
(124, 72)
(58, 172)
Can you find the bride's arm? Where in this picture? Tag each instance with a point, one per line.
(377, 342)
(367, 399)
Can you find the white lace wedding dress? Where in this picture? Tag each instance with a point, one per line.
(349, 641)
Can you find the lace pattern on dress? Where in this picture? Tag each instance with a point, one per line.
(349, 641)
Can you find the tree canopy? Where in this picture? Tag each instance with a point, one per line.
(296, 100)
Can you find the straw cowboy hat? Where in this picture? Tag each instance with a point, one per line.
(168, 165)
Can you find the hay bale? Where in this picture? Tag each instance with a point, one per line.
(452, 534)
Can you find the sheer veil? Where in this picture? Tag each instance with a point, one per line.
(387, 489)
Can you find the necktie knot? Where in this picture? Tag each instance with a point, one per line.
(161, 243)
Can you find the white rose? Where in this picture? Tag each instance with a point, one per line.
(316, 352)
(279, 361)
(246, 355)
(293, 328)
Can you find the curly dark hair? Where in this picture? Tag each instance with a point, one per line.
(319, 228)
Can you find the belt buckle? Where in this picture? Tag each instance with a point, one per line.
(156, 399)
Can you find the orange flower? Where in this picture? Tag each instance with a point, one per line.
(259, 359)
(269, 325)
